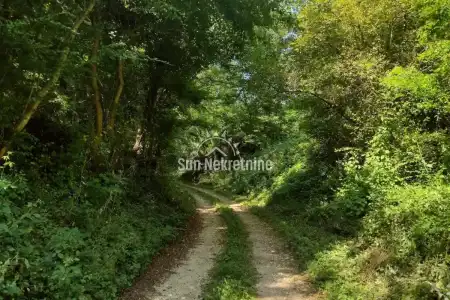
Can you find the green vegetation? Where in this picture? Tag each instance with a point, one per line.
(349, 98)
(68, 247)
(209, 198)
(350, 101)
(234, 275)
(91, 95)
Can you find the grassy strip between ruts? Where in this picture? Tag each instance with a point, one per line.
(234, 275)
(212, 200)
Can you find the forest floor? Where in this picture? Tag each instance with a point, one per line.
(183, 275)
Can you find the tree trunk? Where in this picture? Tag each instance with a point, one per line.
(31, 108)
(149, 120)
(96, 90)
(115, 104)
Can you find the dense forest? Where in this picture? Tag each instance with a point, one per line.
(349, 99)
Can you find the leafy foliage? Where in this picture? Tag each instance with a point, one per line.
(91, 92)
(358, 131)
(89, 251)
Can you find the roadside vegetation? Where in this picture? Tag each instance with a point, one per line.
(350, 101)
(90, 95)
(71, 246)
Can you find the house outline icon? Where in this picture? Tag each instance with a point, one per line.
(216, 149)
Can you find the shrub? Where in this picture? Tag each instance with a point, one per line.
(88, 244)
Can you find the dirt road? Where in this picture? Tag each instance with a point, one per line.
(278, 278)
(185, 280)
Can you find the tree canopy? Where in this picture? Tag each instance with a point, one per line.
(349, 99)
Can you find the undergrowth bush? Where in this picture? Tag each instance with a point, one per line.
(401, 252)
(375, 226)
(81, 244)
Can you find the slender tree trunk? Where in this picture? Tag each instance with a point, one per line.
(115, 104)
(32, 107)
(113, 113)
(138, 142)
(4, 149)
(97, 95)
(149, 120)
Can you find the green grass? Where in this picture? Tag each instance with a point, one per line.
(355, 267)
(223, 192)
(305, 240)
(206, 196)
(330, 261)
(234, 275)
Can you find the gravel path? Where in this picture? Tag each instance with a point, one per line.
(184, 277)
(185, 280)
(279, 279)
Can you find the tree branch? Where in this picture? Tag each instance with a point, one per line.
(331, 105)
(31, 108)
